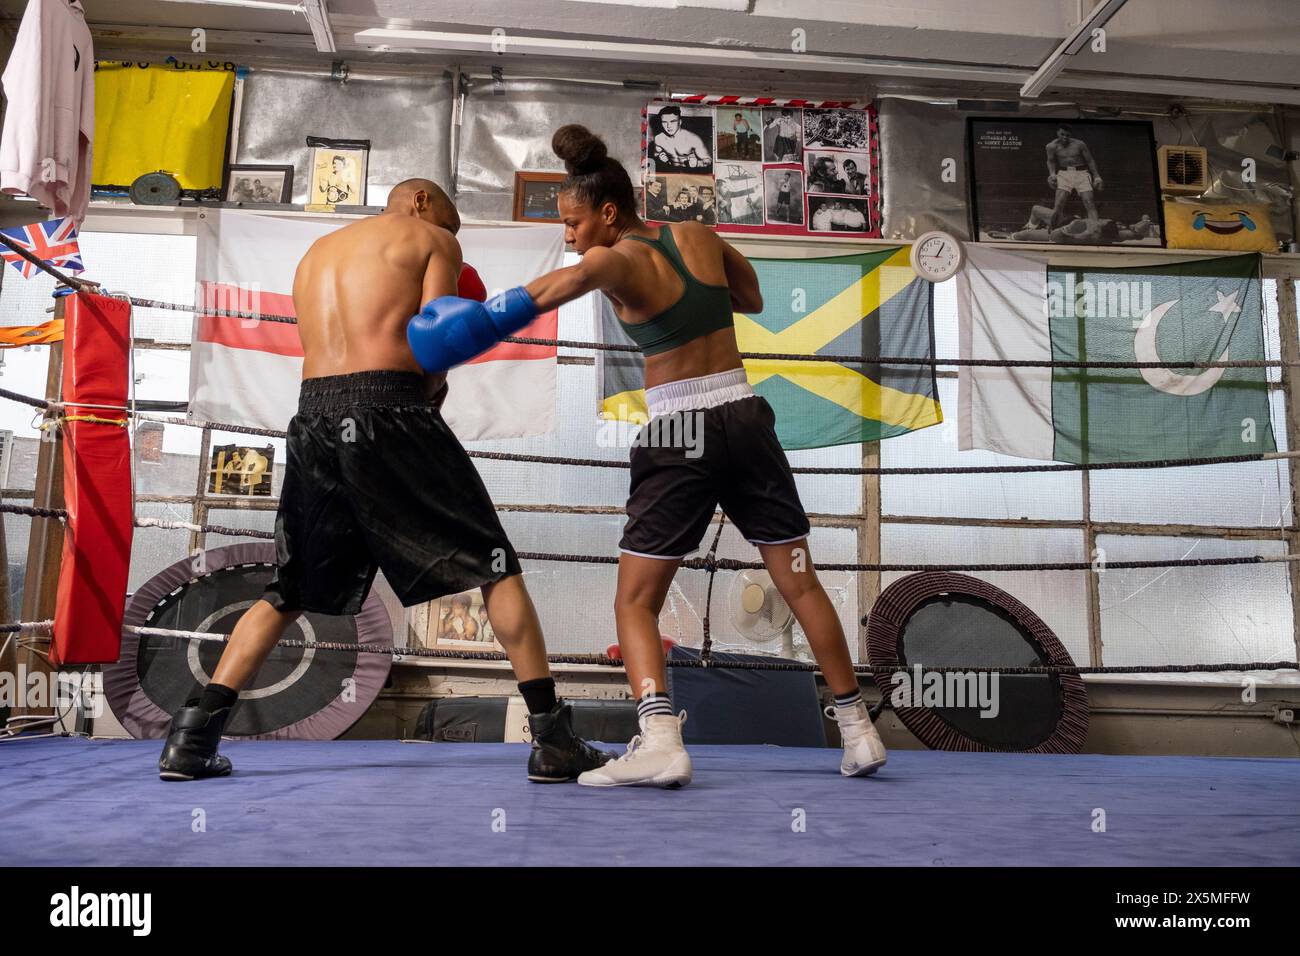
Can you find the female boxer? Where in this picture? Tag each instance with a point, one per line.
(674, 290)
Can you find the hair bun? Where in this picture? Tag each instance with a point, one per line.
(581, 149)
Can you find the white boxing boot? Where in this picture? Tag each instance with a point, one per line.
(864, 751)
(654, 758)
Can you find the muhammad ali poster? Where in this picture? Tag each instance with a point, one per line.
(1074, 182)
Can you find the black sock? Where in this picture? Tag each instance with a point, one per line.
(849, 699)
(654, 704)
(539, 694)
(217, 696)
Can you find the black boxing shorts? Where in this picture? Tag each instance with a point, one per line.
(710, 441)
(376, 479)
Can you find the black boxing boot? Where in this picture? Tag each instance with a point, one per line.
(191, 749)
(559, 754)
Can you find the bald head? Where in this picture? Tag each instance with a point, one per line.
(425, 199)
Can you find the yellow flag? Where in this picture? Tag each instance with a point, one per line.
(151, 117)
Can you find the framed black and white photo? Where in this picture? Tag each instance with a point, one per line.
(1074, 182)
(260, 184)
(783, 195)
(679, 139)
(782, 134)
(655, 199)
(837, 171)
(684, 199)
(740, 193)
(840, 214)
(740, 134)
(836, 129)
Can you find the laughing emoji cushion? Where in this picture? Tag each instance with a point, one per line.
(1219, 226)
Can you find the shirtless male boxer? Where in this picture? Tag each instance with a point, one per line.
(376, 479)
(676, 146)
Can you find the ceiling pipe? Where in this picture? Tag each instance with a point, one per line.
(1076, 41)
(287, 7)
(319, 21)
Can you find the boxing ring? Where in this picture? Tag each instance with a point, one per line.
(969, 803)
(338, 802)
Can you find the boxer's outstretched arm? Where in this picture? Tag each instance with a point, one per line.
(601, 268)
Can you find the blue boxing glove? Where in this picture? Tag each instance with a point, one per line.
(451, 330)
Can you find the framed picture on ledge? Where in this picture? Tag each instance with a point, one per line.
(536, 194)
(338, 171)
(1082, 182)
(260, 184)
(460, 621)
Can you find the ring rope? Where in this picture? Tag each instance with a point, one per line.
(947, 470)
(60, 514)
(731, 564)
(919, 360)
(712, 563)
(44, 627)
(23, 399)
(204, 528)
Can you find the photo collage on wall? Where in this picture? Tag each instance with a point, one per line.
(786, 167)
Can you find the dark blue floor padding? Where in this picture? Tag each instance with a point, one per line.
(73, 802)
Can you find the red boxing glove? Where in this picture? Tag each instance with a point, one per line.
(470, 286)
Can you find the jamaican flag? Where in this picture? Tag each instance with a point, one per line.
(867, 305)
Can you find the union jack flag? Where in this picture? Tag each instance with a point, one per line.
(54, 241)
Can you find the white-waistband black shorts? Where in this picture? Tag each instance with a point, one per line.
(728, 456)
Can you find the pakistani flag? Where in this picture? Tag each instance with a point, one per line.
(1015, 307)
(869, 305)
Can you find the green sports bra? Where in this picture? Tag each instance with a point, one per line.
(702, 309)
